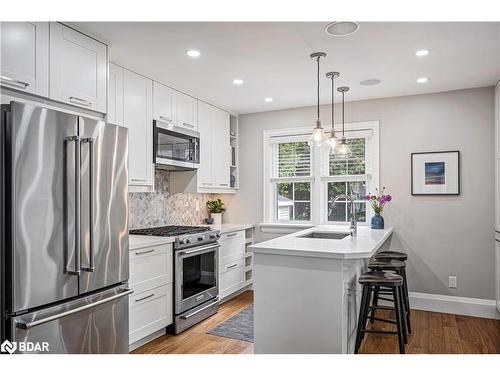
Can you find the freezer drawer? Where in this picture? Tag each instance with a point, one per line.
(95, 324)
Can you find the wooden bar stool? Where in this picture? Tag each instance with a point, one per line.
(377, 279)
(398, 267)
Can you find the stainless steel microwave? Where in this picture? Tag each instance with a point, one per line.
(174, 147)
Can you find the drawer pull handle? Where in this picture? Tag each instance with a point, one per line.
(139, 180)
(207, 183)
(14, 82)
(165, 119)
(232, 266)
(143, 298)
(188, 125)
(231, 235)
(144, 252)
(74, 99)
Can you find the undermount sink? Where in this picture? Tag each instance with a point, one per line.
(326, 235)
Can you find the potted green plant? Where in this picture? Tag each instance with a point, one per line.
(216, 208)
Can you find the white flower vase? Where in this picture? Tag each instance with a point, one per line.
(217, 218)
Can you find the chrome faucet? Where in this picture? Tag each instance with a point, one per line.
(354, 224)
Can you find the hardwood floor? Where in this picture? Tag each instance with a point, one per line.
(432, 333)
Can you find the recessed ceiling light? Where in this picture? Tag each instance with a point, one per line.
(422, 80)
(370, 82)
(238, 81)
(193, 53)
(341, 28)
(422, 52)
(268, 99)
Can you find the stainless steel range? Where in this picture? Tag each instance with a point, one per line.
(196, 286)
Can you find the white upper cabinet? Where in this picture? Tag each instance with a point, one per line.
(186, 111)
(25, 56)
(115, 95)
(138, 118)
(77, 68)
(213, 126)
(164, 103)
(221, 155)
(205, 119)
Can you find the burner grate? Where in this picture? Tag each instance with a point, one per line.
(169, 230)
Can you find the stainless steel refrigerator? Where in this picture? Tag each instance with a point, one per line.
(64, 231)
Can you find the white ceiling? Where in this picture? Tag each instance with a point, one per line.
(273, 58)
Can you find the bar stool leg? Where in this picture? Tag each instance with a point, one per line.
(399, 318)
(403, 313)
(361, 319)
(406, 300)
(374, 303)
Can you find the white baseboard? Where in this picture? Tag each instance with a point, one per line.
(483, 308)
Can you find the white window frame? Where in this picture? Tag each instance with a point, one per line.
(319, 172)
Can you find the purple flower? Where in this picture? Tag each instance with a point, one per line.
(388, 198)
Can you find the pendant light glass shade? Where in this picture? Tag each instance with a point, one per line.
(318, 135)
(343, 150)
(331, 143)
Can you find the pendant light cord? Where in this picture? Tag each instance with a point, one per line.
(317, 88)
(343, 136)
(333, 105)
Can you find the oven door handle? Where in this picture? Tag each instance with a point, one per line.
(184, 317)
(199, 250)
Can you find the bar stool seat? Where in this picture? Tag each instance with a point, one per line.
(381, 278)
(396, 255)
(386, 265)
(371, 281)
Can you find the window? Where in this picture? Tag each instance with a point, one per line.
(291, 164)
(302, 182)
(351, 179)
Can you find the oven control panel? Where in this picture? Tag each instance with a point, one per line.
(196, 239)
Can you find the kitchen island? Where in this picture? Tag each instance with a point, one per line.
(306, 294)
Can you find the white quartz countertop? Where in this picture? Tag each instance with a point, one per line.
(232, 227)
(139, 242)
(367, 242)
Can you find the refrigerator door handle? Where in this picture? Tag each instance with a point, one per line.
(77, 141)
(91, 266)
(29, 325)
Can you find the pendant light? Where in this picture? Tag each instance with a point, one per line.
(343, 149)
(331, 143)
(318, 136)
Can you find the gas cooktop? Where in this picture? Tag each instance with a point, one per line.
(185, 236)
(169, 230)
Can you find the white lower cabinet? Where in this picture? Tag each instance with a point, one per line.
(231, 263)
(151, 279)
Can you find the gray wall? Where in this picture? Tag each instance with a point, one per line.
(442, 235)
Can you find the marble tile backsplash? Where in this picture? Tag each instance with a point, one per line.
(162, 208)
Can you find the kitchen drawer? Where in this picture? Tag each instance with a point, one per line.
(232, 247)
(150, 267)
(232, 277)
(150, 311)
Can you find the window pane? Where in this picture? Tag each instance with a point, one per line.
(341, 210)
(285, 190)
(302, 211)
(358, 188)
(293, 159)
(337, 211)
(336, 188)
(293, 201)
(353, 165)
(360, 211)
(302, 191)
